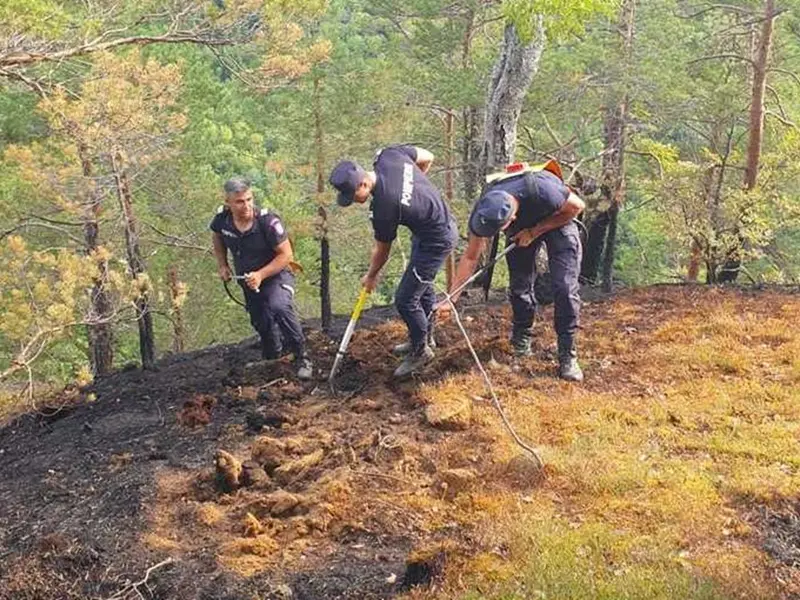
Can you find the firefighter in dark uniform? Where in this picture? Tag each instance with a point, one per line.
(261, 253)
(532, 207)
(402, 194)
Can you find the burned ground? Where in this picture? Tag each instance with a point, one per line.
(354, 494)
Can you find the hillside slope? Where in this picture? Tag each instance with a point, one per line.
(671, 472)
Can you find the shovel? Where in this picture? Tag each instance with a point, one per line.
(348, 333)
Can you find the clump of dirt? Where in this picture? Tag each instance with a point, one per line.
(229, 471)
(196, 411)
(523, 473)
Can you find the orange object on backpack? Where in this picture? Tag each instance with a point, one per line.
(519, 168)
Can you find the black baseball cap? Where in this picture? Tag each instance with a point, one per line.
(346, 177)
(490, 213)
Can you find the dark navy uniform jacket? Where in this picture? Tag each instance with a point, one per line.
(403, 195)
(540, 194)
(255, 247)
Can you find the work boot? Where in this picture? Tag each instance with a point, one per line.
(568, 367)
(414, 361)
(304, 366)
(521, 341)
(405, 347)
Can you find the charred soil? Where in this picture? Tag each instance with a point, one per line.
(229, 479)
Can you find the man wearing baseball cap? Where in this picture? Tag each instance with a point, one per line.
(531, 208)
(402, 194)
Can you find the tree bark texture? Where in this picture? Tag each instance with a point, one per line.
(602, 231)
(512, 75)
(760, 62)
(449, 136)
(176, 293)
(326, 312)
(99, 331)
(136, 264)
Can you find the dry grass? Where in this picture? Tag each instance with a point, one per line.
(690, 414)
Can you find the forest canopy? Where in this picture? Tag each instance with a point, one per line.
(676, 121)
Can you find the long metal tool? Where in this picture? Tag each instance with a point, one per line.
(527, 447)
(348, 333)
(476, 274)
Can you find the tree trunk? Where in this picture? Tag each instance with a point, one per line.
(449, 137)
(325, 273)
(470, 151)
(733, 263)
(136, 264)
(595, 245)
(608, 258)
(693, 271)
(614, 167)
(326, 313)
(615, 129)
(760, 67)
(100, 333)
(471, 147)
(177, 293)
(511, 77)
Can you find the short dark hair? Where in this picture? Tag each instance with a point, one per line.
(236, 185)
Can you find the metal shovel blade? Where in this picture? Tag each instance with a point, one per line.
(348, 333)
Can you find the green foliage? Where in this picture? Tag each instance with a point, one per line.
(37, 17)
(562, 18)
(373, 74)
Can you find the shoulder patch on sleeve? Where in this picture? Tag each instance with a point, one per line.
(221, 209)
(277, 227)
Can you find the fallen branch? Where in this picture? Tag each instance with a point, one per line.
(134, 587)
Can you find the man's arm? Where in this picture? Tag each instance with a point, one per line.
(466, 265)
(424, 159)
(221, 254)
(568, 211)
(283, 256)
(380, 254)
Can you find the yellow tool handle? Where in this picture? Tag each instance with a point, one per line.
(362, 299)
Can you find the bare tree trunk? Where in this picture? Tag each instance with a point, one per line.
(595, 243)
(760, 67)
(136, 264)
(511, 77)
(733, 263)
(326, 312)
(693, 270)
(100, 334)
(177, 293)
(614, 167)
(449, 137)
(615, 132)
(470, 149)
